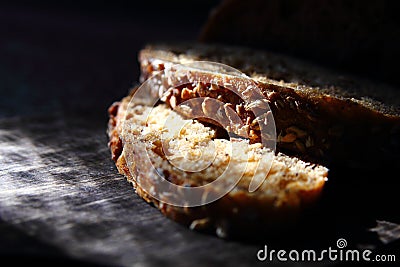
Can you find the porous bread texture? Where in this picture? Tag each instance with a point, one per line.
(289, 186)
(195, 144)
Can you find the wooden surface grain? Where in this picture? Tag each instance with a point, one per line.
(59, 186)
(61, 198)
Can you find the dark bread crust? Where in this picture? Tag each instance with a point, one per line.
(342, 120)
(308, 80)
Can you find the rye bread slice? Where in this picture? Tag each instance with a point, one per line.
(320, 116)
(290, 186)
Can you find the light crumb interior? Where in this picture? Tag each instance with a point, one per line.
(194, 156)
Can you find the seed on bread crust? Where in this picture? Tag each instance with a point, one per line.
(299, 133)
(209, 107)
(200, 224)
(288, 138)
(300, 146)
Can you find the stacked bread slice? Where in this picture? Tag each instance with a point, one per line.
(322, 120)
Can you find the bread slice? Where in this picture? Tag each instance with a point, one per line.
(320, 116)
(136, 140)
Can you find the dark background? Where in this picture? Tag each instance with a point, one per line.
(53, 53)
(63, 61)
(361, 37)
(62, 64)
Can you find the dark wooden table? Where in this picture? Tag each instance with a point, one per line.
(61, 198)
